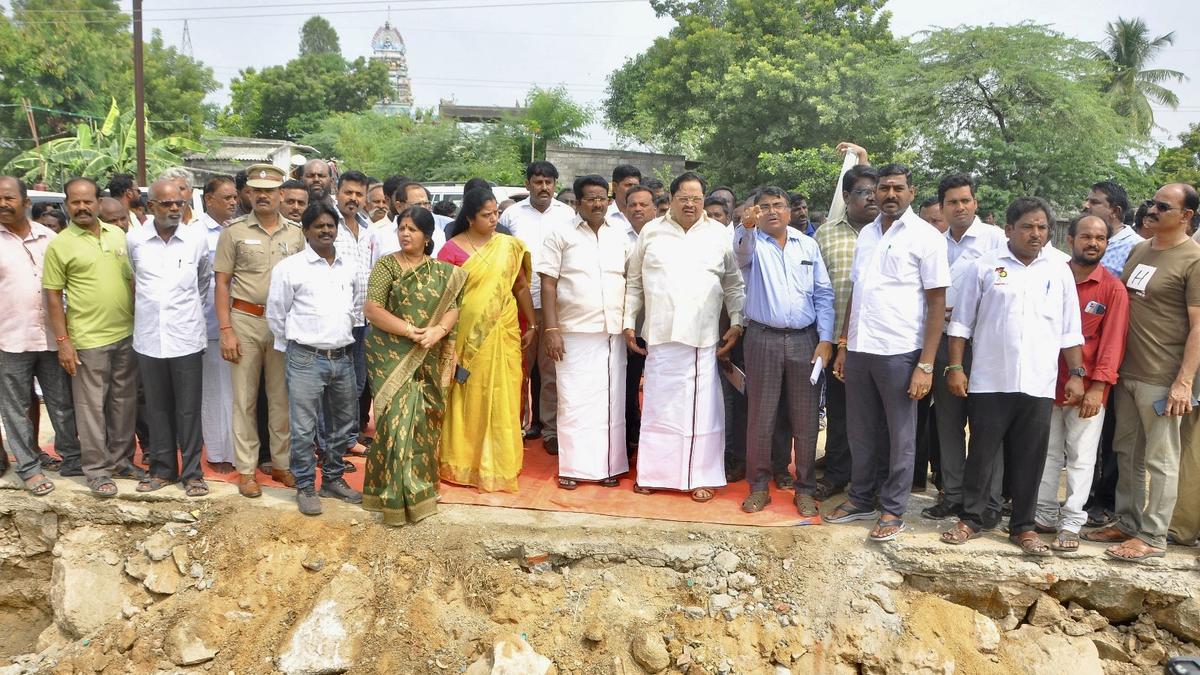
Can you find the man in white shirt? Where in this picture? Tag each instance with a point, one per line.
(311, 312)
(354, 244)
(681, 272)
(386, 239)
(1019, 306)
(894, 319)
(172, 274)
(216, 406)
(582, 270)
(624, 178)
(639, 202)
(967, 239)
(531, 220)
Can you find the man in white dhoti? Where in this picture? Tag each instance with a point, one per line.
(681, 270)
(583, 297)
(216, 406)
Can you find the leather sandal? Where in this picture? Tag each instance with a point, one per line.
(757, 501)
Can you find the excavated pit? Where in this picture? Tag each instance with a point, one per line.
(224, 584)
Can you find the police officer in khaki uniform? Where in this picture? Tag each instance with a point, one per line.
(247, 250)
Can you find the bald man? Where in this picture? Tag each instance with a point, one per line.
(316, 176)
(114, 212)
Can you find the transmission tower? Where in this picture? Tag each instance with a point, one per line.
(186, 46)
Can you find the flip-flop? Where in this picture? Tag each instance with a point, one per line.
(642, 490)
(1116, 537)
(958, 535)
(888, 522)
(709, 498)
(1031, 544)
(1142, 558)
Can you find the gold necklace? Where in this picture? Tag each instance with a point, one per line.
(468, 242)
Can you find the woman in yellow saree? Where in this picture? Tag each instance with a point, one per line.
(412, 304)
(481, 436)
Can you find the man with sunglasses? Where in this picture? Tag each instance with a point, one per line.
(171, 275)
(1155, 392)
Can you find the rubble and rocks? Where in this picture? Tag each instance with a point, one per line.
(86, 590)
(650, 652)
(328, 639)
(511, 655)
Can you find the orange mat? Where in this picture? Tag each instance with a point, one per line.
(539, 491)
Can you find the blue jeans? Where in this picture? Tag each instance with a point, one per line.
(314, 383)
(358, 352)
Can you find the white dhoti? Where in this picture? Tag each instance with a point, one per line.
(591, 407)
(216, 408)
(682, 444)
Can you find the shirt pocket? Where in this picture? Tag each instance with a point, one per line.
(252, 257)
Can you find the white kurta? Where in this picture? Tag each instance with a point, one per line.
(216, 406)
(591, 407)
(682, 444)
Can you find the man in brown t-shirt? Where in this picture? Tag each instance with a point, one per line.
(1162, 354)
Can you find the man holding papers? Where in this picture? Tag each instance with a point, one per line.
(789, 312)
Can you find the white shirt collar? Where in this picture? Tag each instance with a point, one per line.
(311, 256)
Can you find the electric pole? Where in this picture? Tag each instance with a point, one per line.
(139, 92)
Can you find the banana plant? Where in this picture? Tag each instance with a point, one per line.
(100, 152)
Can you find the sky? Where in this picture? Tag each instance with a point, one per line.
(490, 53)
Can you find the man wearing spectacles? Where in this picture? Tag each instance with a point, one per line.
(789, 309)
(532, 220)
(682, 271)
(171, 275)
(1155, 390)
(837, 239)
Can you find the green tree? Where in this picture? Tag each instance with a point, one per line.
(68, 70)
(288, 101)
(1179, 163)
(736, 78)
(550, 115)
(1018, 106)
(423, 147)
(99, 152)
(317, 36)
(1126, 52)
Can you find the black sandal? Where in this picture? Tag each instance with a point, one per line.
(49, 463)
(103, 487)
(196, 488)
(567, 483)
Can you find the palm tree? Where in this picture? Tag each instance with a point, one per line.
(1126, 52)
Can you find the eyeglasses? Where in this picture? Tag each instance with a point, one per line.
(595, 200)
(169, 203)
(862, 192)
(690, 200)
(1162, 207)
(776, 206)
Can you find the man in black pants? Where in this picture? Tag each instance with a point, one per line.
(1019, 307)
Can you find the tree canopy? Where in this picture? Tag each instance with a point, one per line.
(1126, 53)
(318, 36)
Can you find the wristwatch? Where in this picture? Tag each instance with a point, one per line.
(926, 368)
(1077, 372)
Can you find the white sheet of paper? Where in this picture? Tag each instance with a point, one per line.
(818, 368)
(736, 377)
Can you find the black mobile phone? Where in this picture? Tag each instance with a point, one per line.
(461, 374)
(1160, 406)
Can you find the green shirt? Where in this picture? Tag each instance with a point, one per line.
(95, 274)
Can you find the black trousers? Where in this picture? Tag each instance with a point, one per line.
(634, 366)
(174, 390)
(927, 442)
(1009, 432)
(837, 444)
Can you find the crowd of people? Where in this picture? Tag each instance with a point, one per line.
(676, 329)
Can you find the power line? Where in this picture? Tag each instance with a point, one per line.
(496, 5)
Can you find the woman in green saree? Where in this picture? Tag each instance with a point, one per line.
(412, 305)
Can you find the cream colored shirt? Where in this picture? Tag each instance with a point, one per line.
(680, 278)
(590, 268)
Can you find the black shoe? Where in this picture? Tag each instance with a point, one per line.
(534, 431)
(308, 501)
(551, 445)
(784, 481)
(340, 489)
(941, 511)
(825, 490)
(734, 474)
(70, 468)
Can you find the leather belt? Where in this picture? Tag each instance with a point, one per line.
(331, 354)
(772, 329)
(249, 307)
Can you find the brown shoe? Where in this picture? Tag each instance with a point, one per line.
(283, 476)
(248, 487)
(806, 506)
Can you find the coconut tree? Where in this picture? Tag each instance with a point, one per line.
(110, 148)
(1126, 52)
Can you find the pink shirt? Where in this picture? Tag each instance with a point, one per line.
(24, 323)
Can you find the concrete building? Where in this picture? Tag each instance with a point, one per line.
(574, 162)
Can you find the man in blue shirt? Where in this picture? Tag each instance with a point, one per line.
(789, 310)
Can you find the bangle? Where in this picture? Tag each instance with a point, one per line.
(62, 339)
(226, 327)
(947, 369)
(547, 330)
